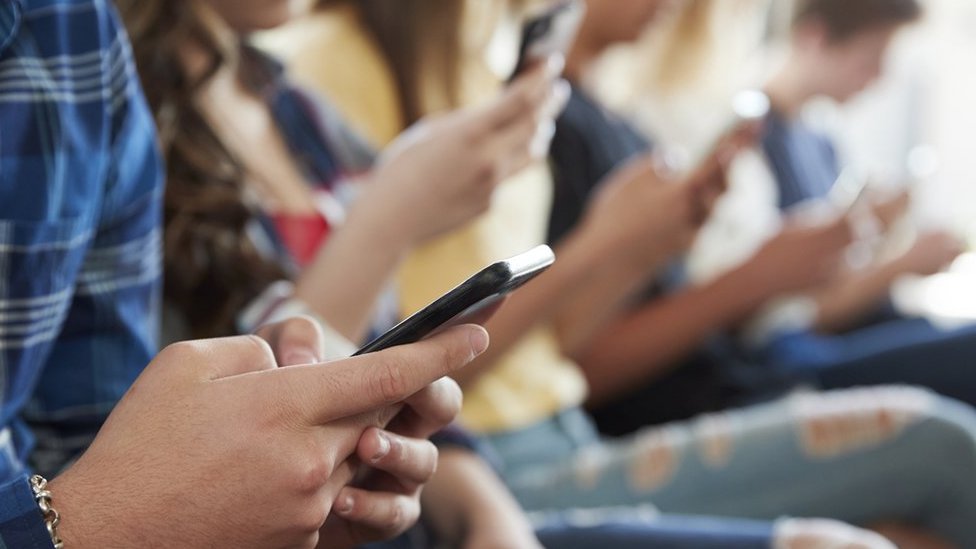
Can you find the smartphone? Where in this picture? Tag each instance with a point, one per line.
(473, 300)
(550, 32)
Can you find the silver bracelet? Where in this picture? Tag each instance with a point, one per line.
(51, 517)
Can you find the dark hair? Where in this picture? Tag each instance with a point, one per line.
(845, 18)
(421, 41)
(212, 268)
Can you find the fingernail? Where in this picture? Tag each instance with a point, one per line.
(298, 357)
(479, 340)
(555, 65)
(383, 450)
(344, 505)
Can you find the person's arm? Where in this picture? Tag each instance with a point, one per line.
(598, 265)
(856, 293)
(437, 176)
(192, 418)
(645, 343)
(108, 332)
(467, 505)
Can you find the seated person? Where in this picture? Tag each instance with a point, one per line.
(524, 398)
(675, 353)
(81, 255)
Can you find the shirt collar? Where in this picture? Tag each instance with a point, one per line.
(10, 14)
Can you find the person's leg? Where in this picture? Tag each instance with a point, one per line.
(673, 532)
(911, 352)
(862, 456)
(620, 529)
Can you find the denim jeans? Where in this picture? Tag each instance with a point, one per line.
(561, 531)
(861, 456)
(906, 351)
(656, 533)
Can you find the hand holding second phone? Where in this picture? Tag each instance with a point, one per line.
(801, 257)
(214, 445)
(442, 171)
(647, 213)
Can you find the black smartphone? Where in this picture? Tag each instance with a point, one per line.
(472, 301)
(549, 32)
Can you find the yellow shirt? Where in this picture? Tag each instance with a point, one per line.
(533, 381)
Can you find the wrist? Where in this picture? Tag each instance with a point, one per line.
(49, 513)
(373, 215)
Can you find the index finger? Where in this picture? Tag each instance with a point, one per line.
(322, 393)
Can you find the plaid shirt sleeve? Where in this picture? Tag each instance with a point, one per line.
(80, 258)
(21, 522)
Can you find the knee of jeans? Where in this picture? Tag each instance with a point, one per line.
(825, 534)
(840, 422)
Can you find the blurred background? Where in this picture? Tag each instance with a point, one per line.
(913, 128)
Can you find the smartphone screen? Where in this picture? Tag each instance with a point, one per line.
(471, 302)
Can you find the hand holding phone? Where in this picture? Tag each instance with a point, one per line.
(548, 33)
(472, 302)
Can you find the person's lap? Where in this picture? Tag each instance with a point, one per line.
(907, 351)
(857, 456)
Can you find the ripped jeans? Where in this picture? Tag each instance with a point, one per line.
(863, 456)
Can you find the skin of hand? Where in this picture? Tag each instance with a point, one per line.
(889, 208)
(653, 213)
(438, 176)
(932, 252)
(391, 465)
(800, 257)
(215, 445)
(441, 172)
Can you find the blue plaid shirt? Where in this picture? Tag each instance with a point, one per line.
(80, 257)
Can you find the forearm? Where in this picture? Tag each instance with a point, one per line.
(538, 302)
(588, 308)
(352, 270)
(648, 342)
(854, 295)
(465, 495)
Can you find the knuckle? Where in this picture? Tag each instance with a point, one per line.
(182, 351)
(259, 347)
(313, 474)
(310, 518)
(303, 331)
(404, 513)
(392, 385)
(447, 399)
(431, 458)
(489, 172)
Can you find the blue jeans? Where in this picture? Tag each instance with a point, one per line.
(560, 531)
(861, 456)
(905, 351)
(659, 533)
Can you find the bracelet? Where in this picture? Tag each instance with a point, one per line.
(51, 517)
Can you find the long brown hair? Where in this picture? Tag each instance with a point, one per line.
(421, 41)
(212, 268)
